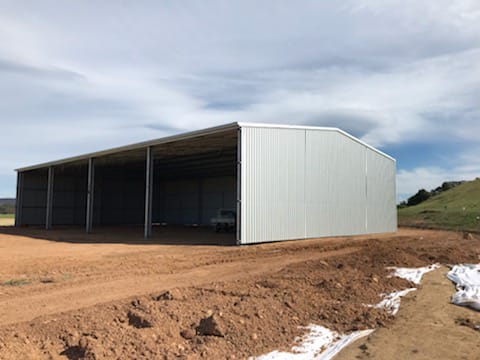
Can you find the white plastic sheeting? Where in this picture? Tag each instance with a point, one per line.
(319, 344)
(391, 302)
(413, 274)
(323, 344)
(467, 280)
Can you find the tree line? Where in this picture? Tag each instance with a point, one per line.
(423, 195)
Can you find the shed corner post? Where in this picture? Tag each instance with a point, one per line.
(49, 210)
(19, 199)
(148, 193)
(90, 195)
(239, 188)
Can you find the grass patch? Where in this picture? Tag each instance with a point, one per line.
(16, 282)
(7, 216)
(454, 209)
(66, 276)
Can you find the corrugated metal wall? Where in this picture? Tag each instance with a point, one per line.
(306, 183)
(180, 201)
(217, 192)
(335, 184)
(381, 204)
(34, 199)
(69, 196)
(119, 197)
(273, 177)
(119, 194)
(195, 201)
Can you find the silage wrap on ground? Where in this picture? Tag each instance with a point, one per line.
(413, 274)
(319, 344)
(467, 280)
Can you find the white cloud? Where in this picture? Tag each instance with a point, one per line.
(466, 166)
(80, 76)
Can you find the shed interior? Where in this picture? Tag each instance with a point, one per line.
(192, 179)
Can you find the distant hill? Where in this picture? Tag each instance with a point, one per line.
(457, 208)
(7, 206)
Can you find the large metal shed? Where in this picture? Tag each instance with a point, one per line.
(285, 182)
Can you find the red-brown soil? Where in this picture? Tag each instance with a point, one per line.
(126, 300)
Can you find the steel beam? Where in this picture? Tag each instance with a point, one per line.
(90, 195)
(148, 192)
(49, 212)
(19, 199)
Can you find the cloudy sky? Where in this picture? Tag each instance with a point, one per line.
(403, 75)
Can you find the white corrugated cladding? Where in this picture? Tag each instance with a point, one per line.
(273, 177)
(335, 184)
(381, 209)
(305, 183)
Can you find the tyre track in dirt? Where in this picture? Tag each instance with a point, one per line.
(28, 307)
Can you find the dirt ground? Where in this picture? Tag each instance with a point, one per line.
(68, 296)
(427, 326)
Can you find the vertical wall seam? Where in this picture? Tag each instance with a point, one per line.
(305, 184)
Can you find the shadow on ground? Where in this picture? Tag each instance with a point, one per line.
(128, 234)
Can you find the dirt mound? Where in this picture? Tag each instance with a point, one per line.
(212, 325)
(248, 316)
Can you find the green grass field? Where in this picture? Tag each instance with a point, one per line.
(454, 209)
(7, 216)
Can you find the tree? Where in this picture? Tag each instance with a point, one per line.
(419, 197)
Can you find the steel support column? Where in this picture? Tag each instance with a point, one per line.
(19, 200)
(90, 195)
(239, 187)
(49, 212)
(200, 200)
(148, 192)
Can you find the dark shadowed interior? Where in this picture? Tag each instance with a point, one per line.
(192, 179)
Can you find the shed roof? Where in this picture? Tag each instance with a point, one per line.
(190, 135)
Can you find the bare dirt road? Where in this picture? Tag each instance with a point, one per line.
(65, 296)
